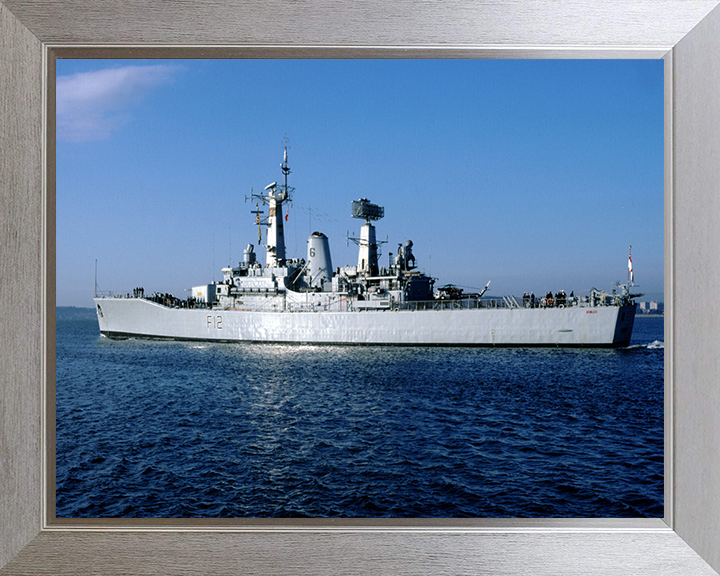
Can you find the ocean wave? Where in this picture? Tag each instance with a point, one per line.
(655, 345)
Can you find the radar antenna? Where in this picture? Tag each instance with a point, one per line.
(284, 166)
(363, 208)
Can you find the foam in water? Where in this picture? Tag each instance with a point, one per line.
(655, 345)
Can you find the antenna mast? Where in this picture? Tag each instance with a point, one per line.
(274, 196)
(368, 244)
(284, 166)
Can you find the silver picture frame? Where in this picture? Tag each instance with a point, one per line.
(685, 33)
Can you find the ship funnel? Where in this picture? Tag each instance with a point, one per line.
(319, 264)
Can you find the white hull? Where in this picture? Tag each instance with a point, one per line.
(601, 326)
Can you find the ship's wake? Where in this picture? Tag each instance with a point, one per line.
(655, 345)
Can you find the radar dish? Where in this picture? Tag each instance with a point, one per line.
(363, 208)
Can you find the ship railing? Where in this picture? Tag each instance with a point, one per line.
(166, 300)
(510, 302)
(454, 304)
(451, 304)
(317, 306)
(112, 294)
(506, 302)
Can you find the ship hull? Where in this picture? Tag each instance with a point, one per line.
(575, 326)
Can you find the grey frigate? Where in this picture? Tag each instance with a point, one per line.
(307, 301)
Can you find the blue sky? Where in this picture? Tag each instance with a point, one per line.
(534, 174)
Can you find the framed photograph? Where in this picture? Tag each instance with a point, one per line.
(684, 541)
(479, 180)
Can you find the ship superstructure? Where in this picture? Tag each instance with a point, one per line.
(308, 301)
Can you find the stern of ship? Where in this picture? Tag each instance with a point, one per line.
(624, 325)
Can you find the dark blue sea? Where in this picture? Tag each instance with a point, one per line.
(178, 429)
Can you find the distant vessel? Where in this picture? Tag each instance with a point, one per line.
(290, 300)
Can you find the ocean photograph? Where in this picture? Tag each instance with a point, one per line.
(425, 312)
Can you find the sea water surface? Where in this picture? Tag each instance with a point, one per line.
(195, 429)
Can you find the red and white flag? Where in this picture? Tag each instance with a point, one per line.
(630, 271)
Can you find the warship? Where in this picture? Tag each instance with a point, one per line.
(307, 301)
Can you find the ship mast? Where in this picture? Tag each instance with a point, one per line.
(274, 196)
